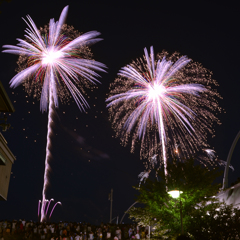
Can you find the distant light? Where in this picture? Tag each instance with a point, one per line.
(174, 193)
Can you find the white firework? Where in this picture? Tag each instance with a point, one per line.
(156, 100)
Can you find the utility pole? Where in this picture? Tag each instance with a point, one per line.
(111, 199)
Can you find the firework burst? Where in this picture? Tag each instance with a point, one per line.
(54, 63)
(163, 103)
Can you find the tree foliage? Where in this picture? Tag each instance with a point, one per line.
(201, 212)
(216, 221)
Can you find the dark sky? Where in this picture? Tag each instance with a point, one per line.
(207, 33)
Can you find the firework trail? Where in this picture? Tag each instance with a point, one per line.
(46, 206)
(49, 202)
(54, 208)
(54, 62)
(163, 103)
(39, 204)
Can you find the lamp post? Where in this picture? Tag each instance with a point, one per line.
(177, 194)
(128, 210)
(110, 197)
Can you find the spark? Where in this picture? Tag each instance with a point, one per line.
(212, 155)
(143, 176)
(163, 103)
(224, 163)
(153, 160)
(55, 65)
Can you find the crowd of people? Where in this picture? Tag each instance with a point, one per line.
(71, 231)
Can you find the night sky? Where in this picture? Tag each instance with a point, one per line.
(87, 161)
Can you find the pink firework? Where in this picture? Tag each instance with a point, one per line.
(54, 62)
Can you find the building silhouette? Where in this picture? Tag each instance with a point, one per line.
(6, 156)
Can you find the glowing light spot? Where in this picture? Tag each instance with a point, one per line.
(51, 57)
(155, 91)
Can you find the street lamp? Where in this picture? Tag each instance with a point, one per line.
(177, 194)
